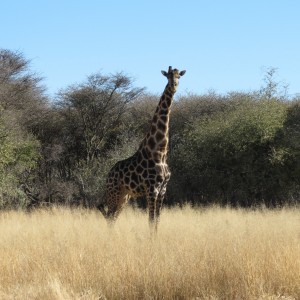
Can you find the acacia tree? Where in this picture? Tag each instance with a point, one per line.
(20, 89)
(93, 113)
(92, 118)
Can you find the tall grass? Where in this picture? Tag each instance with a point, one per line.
(198, 254)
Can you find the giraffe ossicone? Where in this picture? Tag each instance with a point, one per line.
(146, 172)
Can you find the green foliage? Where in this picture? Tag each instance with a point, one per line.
(231, 154)
(21, 103)
(19, 153)
(250, 123)
(288, 141)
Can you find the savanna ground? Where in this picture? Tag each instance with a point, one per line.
(214, 253)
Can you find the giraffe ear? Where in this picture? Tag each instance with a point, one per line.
(164, 73)
(182, 73)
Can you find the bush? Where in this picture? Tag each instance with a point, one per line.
(231, 156)
(19, 153)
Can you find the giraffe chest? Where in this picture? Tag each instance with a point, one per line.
(137, 174)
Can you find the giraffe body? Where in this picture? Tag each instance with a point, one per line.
(146, 172)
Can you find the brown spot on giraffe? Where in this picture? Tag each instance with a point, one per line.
(146, 172)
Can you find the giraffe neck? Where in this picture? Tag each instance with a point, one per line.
(156, 141)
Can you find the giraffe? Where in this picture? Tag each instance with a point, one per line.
(146, 172)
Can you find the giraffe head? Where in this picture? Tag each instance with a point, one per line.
(173, 76)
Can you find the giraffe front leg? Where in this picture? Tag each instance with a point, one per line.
(152, 199)
(159, 202)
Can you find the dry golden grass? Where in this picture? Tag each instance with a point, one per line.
(198, 254)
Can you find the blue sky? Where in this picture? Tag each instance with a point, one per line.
(224, 45)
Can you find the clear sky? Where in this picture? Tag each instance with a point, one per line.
(223, 45)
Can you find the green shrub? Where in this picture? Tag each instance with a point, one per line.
(231, 156)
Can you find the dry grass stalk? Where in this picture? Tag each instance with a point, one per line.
(198, 254)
